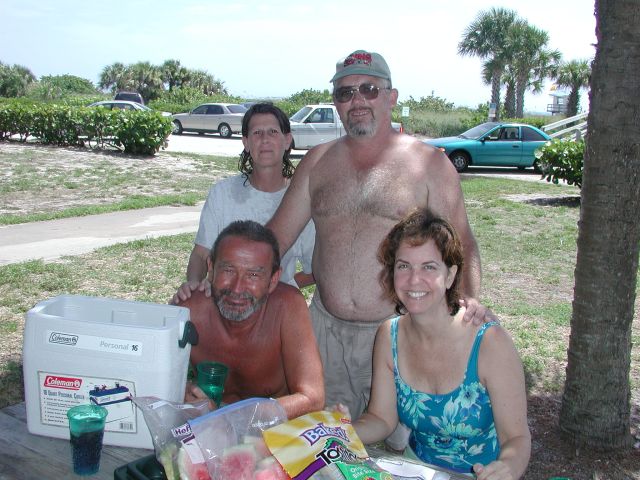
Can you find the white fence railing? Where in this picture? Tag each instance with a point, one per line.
(578, 129)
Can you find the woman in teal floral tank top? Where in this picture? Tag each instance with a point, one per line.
(459, 387)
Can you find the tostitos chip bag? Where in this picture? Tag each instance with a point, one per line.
(321, 445)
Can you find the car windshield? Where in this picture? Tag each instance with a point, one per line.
(144, 107)
(479, 130)
(300, 114)
(237, 108)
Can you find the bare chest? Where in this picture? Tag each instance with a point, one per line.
(383, 190)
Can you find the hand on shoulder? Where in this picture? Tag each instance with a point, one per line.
(476, 312)
(185, 290)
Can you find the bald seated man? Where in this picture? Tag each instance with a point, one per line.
(257, 326)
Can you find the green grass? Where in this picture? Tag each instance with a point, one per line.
(42, 183)
(527, 244)
(435, 124)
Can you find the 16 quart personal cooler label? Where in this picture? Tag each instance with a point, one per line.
(92, 342)
(59, 392)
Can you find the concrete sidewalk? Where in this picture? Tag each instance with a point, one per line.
(73, 236)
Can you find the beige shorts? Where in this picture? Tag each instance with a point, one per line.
(346, 349)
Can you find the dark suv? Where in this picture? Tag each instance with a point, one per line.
(130, 96)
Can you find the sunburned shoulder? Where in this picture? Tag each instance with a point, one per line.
(200, 307)
(317, 152)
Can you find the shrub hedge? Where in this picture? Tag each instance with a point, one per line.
(131, 131)
(562, 159)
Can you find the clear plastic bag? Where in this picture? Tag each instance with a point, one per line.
(231, 442)
(173, 441)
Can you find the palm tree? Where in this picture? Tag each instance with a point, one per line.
(15, 80)
(574, 75)
(509, 79)
(205, 82)
(146, 79)
(173, 74)
(114, 77)
(532, 60)
(487, 38)
(596, 409)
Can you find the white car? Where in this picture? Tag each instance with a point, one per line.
(316, 124)
(125, 105)
(224, 118)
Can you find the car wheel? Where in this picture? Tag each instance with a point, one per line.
(460, 160)
(177, 128)
(225, 130)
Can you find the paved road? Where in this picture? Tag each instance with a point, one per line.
(211, 144)
(73, 236)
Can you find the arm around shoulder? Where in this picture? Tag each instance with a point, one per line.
(294, 211)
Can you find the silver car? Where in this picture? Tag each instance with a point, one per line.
(224, 118)
(125, 105)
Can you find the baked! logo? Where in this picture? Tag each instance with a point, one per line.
(63, 338)
(67, 383)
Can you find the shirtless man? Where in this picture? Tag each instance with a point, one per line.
(355, 189)
(257, 326)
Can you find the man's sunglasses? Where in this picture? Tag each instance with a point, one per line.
(367, 90)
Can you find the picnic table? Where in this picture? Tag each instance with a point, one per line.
(24, 456)
(34, 457)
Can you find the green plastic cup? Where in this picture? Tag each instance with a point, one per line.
(211, 378)
(86, 428)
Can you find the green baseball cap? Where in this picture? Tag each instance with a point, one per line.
(362, 62)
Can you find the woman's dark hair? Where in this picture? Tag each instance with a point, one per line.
(245, 164)
(416, 229)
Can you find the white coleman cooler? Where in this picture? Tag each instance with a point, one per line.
(80, 349)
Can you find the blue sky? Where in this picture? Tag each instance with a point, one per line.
(276, 48)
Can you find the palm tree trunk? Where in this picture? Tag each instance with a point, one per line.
(572, 102)
(510, 101)
(495, 91)
(521, 88)
(596, 402)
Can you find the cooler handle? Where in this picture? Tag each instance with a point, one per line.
(189, 335)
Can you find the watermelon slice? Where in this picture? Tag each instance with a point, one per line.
(238, 463)
(258, 443)
(269, 469)
(189, 470)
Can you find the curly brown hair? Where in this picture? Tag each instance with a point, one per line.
(245, 163)
(416, 229)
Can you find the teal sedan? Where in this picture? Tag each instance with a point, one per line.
(493, 144)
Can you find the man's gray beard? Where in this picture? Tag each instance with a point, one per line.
(357, 129)
(234, 315)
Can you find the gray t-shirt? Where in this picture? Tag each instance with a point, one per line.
(234, 199)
